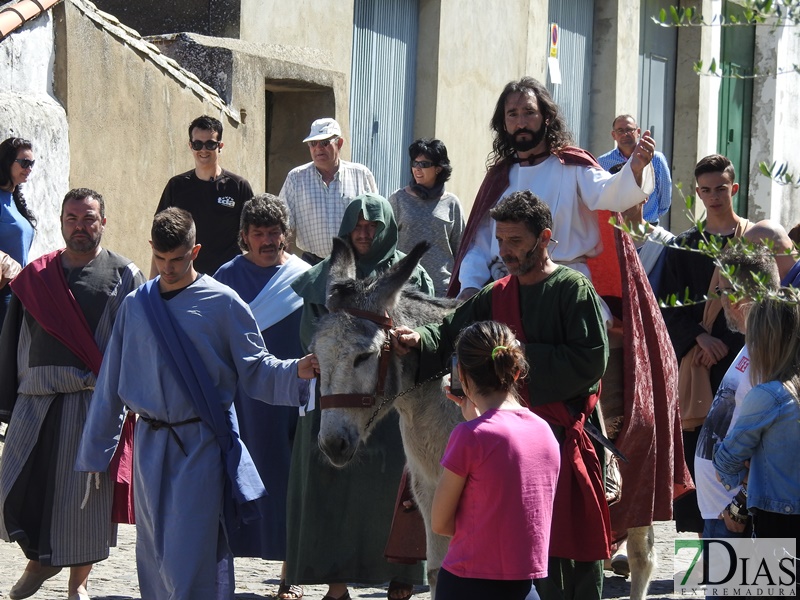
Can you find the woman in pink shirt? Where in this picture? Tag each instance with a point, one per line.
(495, 496)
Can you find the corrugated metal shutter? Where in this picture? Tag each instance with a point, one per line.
(382, 85)
(575, 20)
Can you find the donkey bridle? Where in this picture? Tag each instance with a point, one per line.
(384, 321)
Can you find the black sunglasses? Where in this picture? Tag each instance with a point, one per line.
(197, 145)
(25, 163)
(421, 164)
(323, 143)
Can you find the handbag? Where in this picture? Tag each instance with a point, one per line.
(613, 479)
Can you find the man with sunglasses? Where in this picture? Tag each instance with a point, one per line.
(318, 192)
(213, 196)
(626, 134)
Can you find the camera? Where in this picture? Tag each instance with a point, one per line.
(455, 381)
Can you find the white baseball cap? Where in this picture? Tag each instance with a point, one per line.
(323, 129)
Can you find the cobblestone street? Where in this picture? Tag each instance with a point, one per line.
(115, 578)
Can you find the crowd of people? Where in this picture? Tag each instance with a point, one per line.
(196, 393)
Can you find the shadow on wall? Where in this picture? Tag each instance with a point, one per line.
(291, 106)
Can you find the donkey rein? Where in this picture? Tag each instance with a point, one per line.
(388, 399)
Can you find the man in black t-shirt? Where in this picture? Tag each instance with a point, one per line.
(213, 196)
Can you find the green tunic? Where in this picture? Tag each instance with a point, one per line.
(567, 350)
(338, 520)
(567, 346)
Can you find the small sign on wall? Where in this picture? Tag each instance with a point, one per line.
(552, 60)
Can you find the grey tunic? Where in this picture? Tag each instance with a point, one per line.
(40, 492)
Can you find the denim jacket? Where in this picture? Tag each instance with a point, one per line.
(768, 434)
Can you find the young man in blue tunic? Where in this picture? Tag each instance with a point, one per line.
(189, 345)
(262, 277)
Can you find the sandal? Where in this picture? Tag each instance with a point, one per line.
(398, 586)
(289, 591)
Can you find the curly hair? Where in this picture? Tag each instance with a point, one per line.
(9, 150)
(263, 210)
(525, 207)
(558, 134)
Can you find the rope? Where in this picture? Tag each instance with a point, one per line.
(89, 488)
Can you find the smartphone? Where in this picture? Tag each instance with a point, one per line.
(455, 382)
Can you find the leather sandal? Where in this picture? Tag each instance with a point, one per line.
(289, 591)
(31, 581)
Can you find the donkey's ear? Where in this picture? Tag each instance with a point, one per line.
(387, 288)
(342, 263)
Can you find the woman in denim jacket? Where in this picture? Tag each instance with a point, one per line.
(767, 432)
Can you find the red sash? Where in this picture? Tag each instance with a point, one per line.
(43, 291)
(581, 528)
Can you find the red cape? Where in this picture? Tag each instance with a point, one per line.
(494, 184)
(651, 434)
(43, 291)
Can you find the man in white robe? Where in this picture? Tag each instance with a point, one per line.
(532, 151)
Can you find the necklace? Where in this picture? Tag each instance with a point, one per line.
(530, 159)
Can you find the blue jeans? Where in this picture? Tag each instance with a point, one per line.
(715, 528)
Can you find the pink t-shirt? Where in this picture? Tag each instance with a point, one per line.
(510, 459)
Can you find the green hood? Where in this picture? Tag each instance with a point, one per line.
(377, 209)
(311, 285)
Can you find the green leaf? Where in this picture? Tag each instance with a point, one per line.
(662, 15)
(674, 13)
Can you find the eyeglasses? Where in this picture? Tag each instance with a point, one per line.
(323, 143)
(421, 164)
(25, 163)
(198, 145)
(627, 131)
(724, 290)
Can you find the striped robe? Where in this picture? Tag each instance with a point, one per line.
(40, 492)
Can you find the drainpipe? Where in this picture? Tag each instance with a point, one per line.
(13, 17)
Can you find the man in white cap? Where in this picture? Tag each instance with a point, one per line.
(318, 192)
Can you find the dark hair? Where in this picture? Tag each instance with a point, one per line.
(558, 134)
(206, 123)
(437, 152)
(264, 210)
(9, 149)
(618, 117)
(749, 262)
(794, 234)
(715, 163)
(80, 194)
(173, 228)
(492, 357)
(524, 207)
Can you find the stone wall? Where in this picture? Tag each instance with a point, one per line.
(28, 110)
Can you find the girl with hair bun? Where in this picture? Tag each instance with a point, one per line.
(495, 495)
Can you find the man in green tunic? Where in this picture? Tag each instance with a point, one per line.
(556, 312)
(338, 520)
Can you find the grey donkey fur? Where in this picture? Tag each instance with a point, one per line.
(348, 350)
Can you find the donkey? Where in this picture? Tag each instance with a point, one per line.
(349, 351)
(349, 348)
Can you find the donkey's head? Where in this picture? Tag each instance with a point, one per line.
(349, 344)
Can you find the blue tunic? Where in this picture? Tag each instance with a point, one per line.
(179, 496)
(267, 431)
